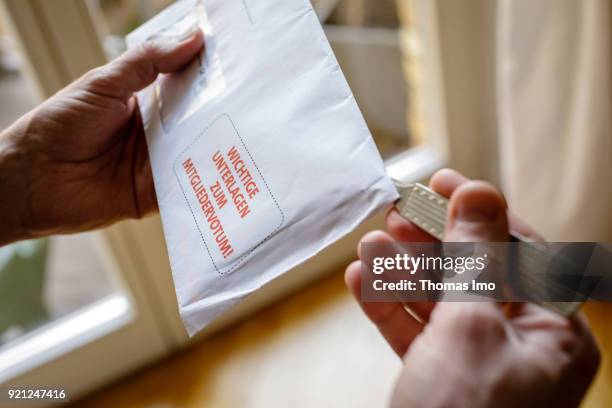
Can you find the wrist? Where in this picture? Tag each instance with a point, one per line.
(14, 204)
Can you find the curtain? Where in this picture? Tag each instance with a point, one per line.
(554, 105)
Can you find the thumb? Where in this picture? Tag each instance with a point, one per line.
(138, 67)
(477, 213)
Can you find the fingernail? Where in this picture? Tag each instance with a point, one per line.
(478, 211)
(174, 38)
(188, 34)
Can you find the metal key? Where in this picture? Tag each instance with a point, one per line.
(428, 210)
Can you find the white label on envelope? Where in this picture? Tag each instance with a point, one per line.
(233, 208)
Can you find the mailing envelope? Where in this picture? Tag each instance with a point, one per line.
(260, 155)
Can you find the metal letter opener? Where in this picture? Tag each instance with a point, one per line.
(428, 209)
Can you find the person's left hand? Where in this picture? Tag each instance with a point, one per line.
(79, 161)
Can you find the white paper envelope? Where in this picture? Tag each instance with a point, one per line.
(260, 155)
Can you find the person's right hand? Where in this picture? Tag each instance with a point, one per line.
(479, 354)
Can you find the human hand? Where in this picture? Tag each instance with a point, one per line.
(478, 354)
(79, 161)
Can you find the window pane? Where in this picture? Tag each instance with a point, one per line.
(41, 281)
(365, 35)
(17, 95)
(44, 280)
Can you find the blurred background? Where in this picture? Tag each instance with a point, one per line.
(512, 91)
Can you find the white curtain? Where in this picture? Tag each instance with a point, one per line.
(554, 108)
(554, 90)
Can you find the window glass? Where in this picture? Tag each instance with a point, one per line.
(366, 36)
(41, 281)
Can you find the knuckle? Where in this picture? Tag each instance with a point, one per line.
(147, 49)
(96, 74)
(99, 79)
(141, 59)
(473, 320)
